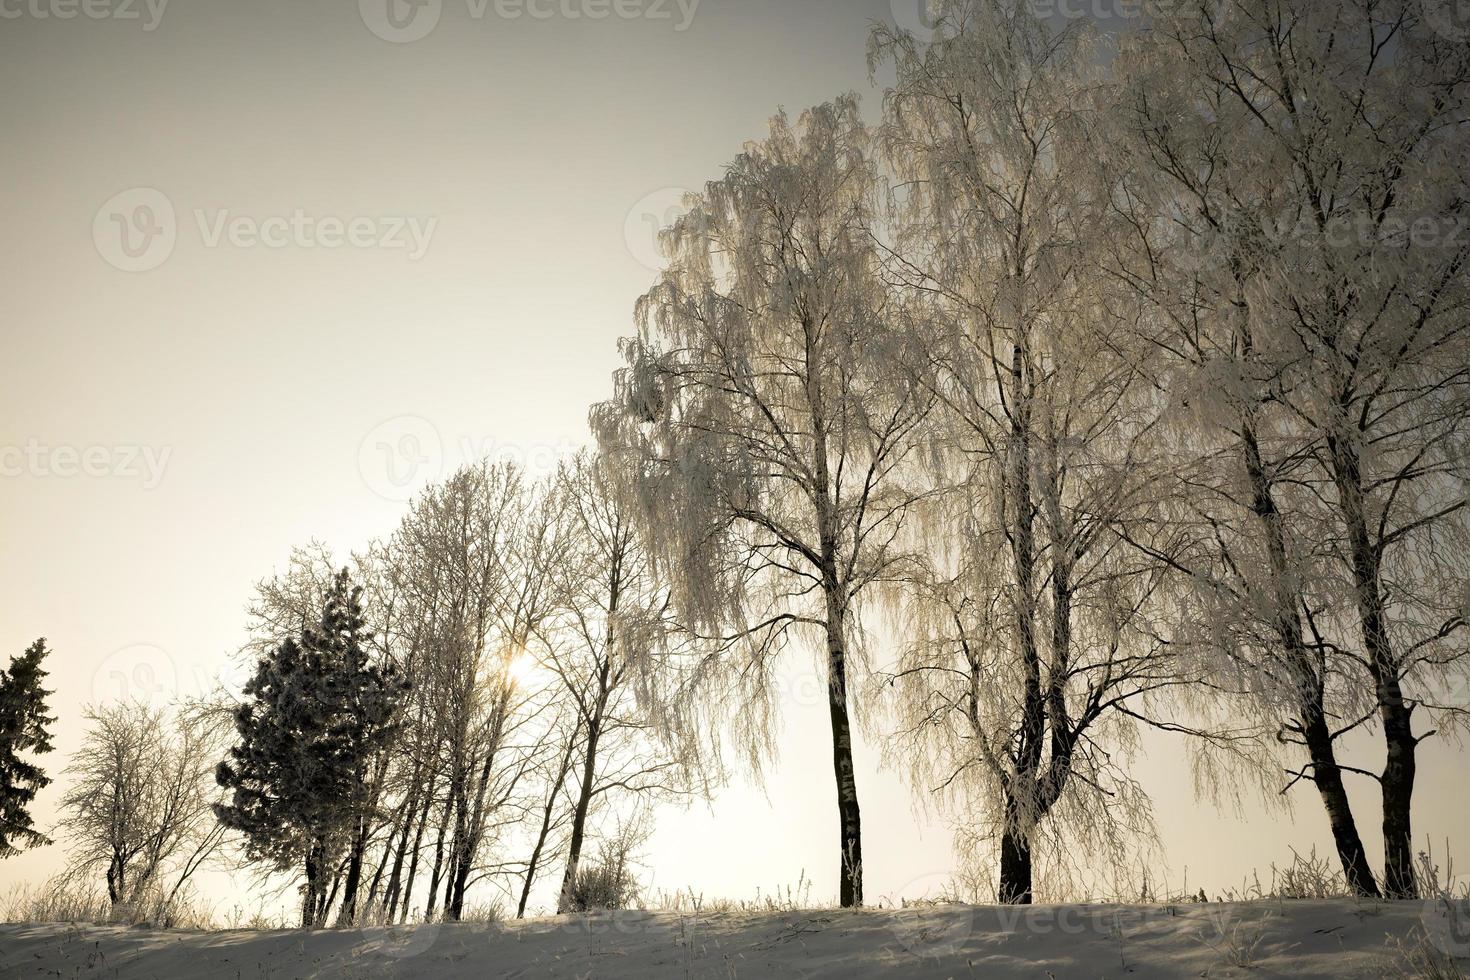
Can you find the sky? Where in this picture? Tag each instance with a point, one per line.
(272, 266)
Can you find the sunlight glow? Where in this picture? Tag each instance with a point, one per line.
(523, 668)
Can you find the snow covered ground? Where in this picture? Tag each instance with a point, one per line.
(1331, 939)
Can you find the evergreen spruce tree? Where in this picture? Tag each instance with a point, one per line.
(315, 713)
(23, 722)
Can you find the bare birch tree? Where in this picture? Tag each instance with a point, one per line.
(1251, 582)
(615, 654)
(140, 801)
(770, 431)
(1040, 640)
(1318, 150)
(470, 559)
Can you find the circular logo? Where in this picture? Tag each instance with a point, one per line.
(1450, 19)
(1447, 925)
(647, 219)
(137, 673)
(135, 230)
(926, 923)
(537, 459)
(398, 942)
(917, 17)
(401, 21)
(399, 456)
(228, 682)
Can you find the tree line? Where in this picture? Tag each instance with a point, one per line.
(1124, 377)
(1102, 385)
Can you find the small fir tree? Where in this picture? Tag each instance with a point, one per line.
(315, 712)
(23, 722)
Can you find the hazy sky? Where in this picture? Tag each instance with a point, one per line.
(385, 257)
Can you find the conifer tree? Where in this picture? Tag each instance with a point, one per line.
(23, 722)
(316, 711)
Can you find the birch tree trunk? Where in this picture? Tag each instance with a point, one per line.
(1400, 766)
(534, 863)
(579, 817)
(849, 816)
(1306, 679)
(418, 843)
(1015, 858)
(589, 782)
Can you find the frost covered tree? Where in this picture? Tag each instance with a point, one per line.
(315, 713)
(551, 814)
(1317, 154)
(23, 729)
(771, 434)
(615, 654)
(1252, 577)
(290, 601)
(1035, 643)
(469, 565)
(140, 801)
(282, 608)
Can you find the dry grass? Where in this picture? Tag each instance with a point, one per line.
(787, 898)
(1421, 959)
(65, 900)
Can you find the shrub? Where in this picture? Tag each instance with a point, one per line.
(607, 882)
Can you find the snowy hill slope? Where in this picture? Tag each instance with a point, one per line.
(1264, 940)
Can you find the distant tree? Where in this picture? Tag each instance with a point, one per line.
(468, 567)
(287, 603)
(615, 653)
(549, 814)
(140, 803)
(316, 712)
(23, 722)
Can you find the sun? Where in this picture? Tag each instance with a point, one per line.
(523, 668)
